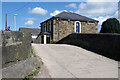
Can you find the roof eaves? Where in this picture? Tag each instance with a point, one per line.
(47, 20)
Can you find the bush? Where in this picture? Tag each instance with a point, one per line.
(111, 25)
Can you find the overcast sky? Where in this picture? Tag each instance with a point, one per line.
(33, 13)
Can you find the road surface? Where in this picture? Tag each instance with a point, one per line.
(66, 61)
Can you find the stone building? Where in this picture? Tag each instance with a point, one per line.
(65, 23)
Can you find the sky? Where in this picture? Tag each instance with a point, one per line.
(31, 14)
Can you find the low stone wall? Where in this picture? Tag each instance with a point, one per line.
(104, 44)
(22, 69)
(16, 46)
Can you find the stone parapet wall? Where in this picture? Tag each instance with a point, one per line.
(22, 69)
(16, 46)
(104, 44)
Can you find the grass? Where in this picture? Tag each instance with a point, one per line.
(53, 42)
(32, 51)
(26, 78)
(32, 74)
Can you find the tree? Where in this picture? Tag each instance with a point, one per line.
(111, 25)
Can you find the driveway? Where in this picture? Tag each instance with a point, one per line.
(66, 61)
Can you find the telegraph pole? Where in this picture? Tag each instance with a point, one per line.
(15, 21)
(6, 23)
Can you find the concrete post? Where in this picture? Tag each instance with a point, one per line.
(15, 21)
(44, 39)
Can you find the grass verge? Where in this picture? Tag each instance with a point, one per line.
(32, 51)
(31, 75)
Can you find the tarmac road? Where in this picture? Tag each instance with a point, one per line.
(66, 61)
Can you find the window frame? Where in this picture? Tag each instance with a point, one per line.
(45, 27)
(79, 26)
(49, 26)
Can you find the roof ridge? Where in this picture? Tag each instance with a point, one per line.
(74, 16)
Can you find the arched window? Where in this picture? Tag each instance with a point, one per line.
(77, 27)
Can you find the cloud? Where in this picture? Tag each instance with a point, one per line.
(96, 9)
(38, 10)
(31, 18)
(102, 0)
(29, 23)
(101, 19)
(56, 12)
(82, 5)
(116, 15)
(73, 5)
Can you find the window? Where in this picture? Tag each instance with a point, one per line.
(44, 27)
(77, 27)
(49, 24)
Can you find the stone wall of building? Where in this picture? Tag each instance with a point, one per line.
(89, 27)
(62, 28)
(16, 46)
(104, 44)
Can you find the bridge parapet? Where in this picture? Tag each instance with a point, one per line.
(103, 44)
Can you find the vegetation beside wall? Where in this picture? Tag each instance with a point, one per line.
(33, 54)
(53, 42)
(34, 73)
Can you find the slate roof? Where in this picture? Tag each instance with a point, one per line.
(34, 31)
(74, 16)
(71, 16)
